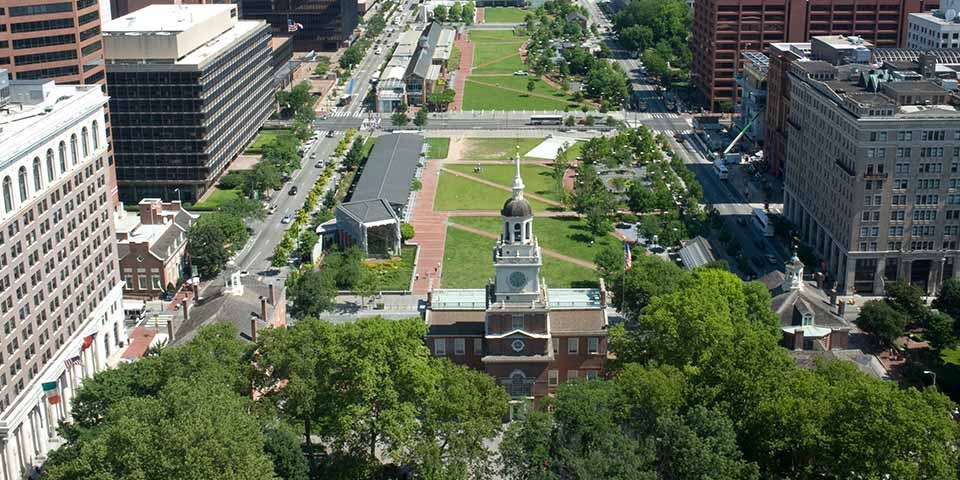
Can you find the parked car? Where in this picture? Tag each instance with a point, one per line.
(521, 73)
(293, 190)
(286, 218)
(320, 164)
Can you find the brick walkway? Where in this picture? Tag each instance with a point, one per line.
(465, 68)
(480, 16)
(430, 228)
(549, 253)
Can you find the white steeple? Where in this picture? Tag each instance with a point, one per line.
(517, 181)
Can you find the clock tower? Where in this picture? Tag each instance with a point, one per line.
(516, 256)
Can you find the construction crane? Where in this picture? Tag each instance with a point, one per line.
(726, 151)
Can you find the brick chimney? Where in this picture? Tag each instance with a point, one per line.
(798, 339)
(170, 330)
(151, 211)
(603, 294)
(273, 298)
(186, 310)
(263, 309)
(253, 328)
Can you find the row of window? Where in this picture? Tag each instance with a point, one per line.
(460, 345)
(22, 180)
(154, 284)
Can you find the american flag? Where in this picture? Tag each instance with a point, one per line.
(293, 26)
(627, 256)
(72, 362)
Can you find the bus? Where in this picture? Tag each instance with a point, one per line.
(720, 169)
(546, 120)
(762, 221)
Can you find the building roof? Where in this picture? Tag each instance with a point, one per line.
(368, 211)
(389, 171)
(808, 299)
(516, 207)
(456, 322)
(593, 321)
(222, 306)
(696, 253)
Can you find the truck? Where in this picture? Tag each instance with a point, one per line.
(344, 99)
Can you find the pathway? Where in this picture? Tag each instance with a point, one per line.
(463, 70)
(549, 253)
(502, 187)
(430, 231)
(479, 16)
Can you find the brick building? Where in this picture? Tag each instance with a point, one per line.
(152, 246)
(722, 29)
(530, 338)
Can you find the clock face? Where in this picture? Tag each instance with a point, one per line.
(517, 345)
(518, 279)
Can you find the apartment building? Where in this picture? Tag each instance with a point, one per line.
(936, 29)
(872, 174)
(315, 24)
(190, 86)
(61, 301)
(722, 29)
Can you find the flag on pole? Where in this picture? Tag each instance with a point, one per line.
(293, 26)
(72, 362)
(50, 390)
(627, 256)
(87, 341)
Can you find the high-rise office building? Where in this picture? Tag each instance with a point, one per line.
(190, 85)
(722, 29)
(872, 173)
(61, 301)
(315, 24)
(119, 8)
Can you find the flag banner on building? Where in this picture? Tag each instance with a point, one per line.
(72, 362)
(293, 26)
(627, 256)
(50, 390)
(87, 341)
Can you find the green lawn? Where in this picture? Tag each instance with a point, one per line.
(488, 36)
(477, 96)
(497, 148)
(467, 264)
(368, 145)
(458, 193)
(438, 147)
(536, 178)
(520, 83)
(506, 65)
(503, 15)
(564, 235)
(394, 274)
(265, 137)
(217, 198)
(951, 355)
(454, 62)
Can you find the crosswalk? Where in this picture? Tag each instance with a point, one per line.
(652, 115)
(345, 114)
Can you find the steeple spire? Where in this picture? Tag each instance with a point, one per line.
(517, 181)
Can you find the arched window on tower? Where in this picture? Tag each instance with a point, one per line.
(37, 174)
(96, 134)
(517, 231)
(73, 149)
(7, 194)
(528, 224)
(85, 141)
(22, 183)
(63, 157)
(51, 173)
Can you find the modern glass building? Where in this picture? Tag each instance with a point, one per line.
(190, 85)
(319, 24)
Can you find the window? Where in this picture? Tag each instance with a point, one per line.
(96, 134)
(593, 345)
(36, 174)
(573, 345)
(440, 347)
(517, 322)
(63, 157)
(478, 346)
(22, 183)
(73, 149)
(7, 194)
(155, 282)
(572, 375)
(128, 281)
(142, 282)
(553, 377)
(556, 345)
(591, 374)
(458, 346)
(50, 172)
(85, 141)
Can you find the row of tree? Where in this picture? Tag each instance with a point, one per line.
(702, 389)
(457, 13)
(351, 395)
(659, 30)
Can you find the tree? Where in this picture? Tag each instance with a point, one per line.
(356, 155)
(940, 331)
(570, 121)
(610, 263)
(311, 294)
(406, 232)
(440, 99)
(420, 118)
(245, 208)
(282, 445)
(469, 12)
(880, 319)
(345, 267)
(367, 285)
(264, 176)
(598, 221)
(351, 57)
(308, 240)
(455, 12)
(213, 239)
(531, 85)
(399, 117)
(440, 13)
(700, 444)
(525, 452)
(907, 299)
(948, 300)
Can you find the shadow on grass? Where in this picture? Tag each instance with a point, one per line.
(554, 208)
(584, 284)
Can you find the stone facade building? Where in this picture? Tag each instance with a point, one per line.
(62, 296)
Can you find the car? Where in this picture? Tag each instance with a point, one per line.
(330, 134)
(378, 51)
(293, 190)
(286, 218)
(520, 73)
(771, 259)
(320, 164)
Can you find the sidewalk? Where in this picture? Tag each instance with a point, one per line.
(430, 229)
(463, 70)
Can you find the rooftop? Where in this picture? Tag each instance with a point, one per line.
(390, 169)
(165, 18)
(369, 211)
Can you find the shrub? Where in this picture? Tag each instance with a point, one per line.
(232, 180)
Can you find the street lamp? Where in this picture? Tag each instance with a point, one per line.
(178, 194)
(932, 374)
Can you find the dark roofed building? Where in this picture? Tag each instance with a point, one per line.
(243, 301)
(152, 247)
(371, 219)
(696, 253)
